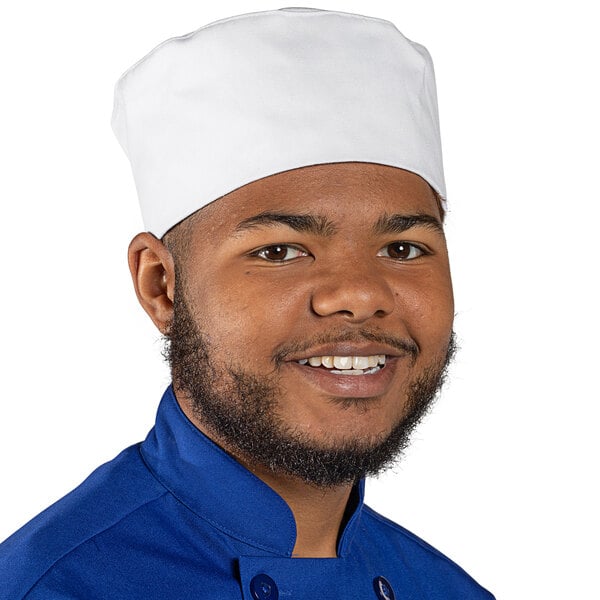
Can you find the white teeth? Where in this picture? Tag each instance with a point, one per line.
(342, 362)
(356, 371)
(327, 361)
(355, 365)
(361, 362)
(348, 372)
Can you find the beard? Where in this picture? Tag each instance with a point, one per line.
(240, 409)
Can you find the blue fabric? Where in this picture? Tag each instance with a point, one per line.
(176, 517)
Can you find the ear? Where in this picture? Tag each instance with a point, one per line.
(153, 272)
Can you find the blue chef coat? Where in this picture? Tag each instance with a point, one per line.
(176, 517)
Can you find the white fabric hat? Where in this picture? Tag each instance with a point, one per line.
(253, 95)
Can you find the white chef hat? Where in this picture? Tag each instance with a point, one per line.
(257, 94)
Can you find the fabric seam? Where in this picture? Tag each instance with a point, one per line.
(91, 537)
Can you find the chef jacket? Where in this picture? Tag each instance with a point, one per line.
(177, 517)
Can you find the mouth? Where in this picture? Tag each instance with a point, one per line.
(348, 375)
(346, 365)
(352, 368)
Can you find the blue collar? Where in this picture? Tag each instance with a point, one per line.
(220, 490)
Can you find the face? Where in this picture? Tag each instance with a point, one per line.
(314, 309)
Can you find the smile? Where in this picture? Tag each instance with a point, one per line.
(347, 365)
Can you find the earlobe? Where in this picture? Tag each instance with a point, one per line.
(153, 274)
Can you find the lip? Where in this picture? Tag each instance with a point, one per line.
(348, 386)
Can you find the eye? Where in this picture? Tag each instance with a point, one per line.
(280, 253)
(402, 251)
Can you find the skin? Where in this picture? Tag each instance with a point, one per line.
(264, 307)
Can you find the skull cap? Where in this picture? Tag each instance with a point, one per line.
(257, 94)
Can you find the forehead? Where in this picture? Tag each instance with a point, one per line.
(344, 193)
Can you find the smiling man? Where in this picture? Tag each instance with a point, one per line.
(289, 170)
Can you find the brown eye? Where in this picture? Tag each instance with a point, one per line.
(401, 251)
(280, 253)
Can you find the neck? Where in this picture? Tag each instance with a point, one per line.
(318, 512)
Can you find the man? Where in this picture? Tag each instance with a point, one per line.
(289, 169)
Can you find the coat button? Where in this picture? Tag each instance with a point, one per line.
(383, 588)
(262, 587)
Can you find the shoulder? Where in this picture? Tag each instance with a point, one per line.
(110, 494)
(430, 568)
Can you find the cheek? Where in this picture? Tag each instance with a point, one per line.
(428, 309)
(261, 302)
(249, 314)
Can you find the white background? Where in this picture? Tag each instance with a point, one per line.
(503, 475)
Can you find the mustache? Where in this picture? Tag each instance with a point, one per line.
(406, 345)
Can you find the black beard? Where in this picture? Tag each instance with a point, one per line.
(241, 410)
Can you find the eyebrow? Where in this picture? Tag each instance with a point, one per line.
(399, 223)
(314, 224)
(323, 227)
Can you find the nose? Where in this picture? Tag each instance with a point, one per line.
(354, 292)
